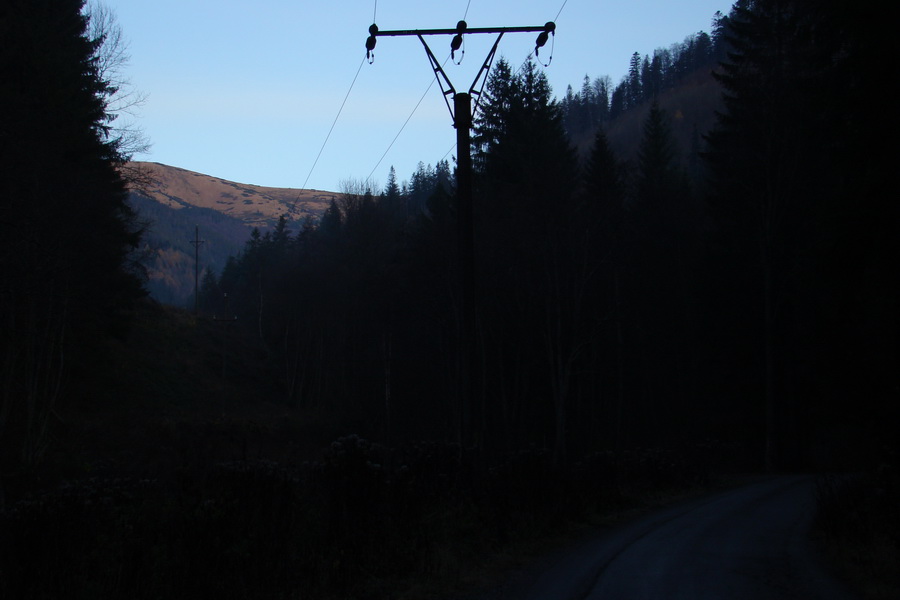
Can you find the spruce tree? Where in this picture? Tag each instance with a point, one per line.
(635, 86)
(530, 253)
(793, 180)
(604, 186)
(496, 100)
(659, 235)
(661, 188)
(65, 229)
(391, 194)
(604, 211)
(331, 221)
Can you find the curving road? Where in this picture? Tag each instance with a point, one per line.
(744, 544)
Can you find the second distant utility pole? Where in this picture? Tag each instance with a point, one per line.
(196, 244)
(461, 112)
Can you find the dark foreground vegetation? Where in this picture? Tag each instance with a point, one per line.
(858, 528)
(329, 427)
(362, 522)
(172, 482)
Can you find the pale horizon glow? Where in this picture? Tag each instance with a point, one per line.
(248, 91)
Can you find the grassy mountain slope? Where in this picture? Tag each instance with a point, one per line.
(255, 206)
(173, 202)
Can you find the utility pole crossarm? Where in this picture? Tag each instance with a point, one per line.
(462, 28)
(485, 68)
(443, 81)
(466, 30)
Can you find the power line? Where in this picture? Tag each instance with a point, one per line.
(391, 145)
(333, 123)
(557, 14)
(448, 152)
(402, 127)
(315, 162)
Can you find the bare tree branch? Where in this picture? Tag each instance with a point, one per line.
(124, 101)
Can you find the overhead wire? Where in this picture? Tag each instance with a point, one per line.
(336, 117)
(408, 118)
(532, 54)
(560, 10)
(446, 154)
(328, 135)
(402, 127)
(415, 108)
(333, 123)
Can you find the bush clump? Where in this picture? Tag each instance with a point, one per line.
(356, 523)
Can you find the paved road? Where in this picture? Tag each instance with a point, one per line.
(748, 543)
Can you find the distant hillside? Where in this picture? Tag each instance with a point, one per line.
(254, 205)
(175, 202)
(691, 108)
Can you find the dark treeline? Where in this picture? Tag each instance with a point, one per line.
(67, 235)
(751, 307)
(600, 101)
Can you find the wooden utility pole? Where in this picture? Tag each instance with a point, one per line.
(225, 320)
(196, 244)
(462, 114)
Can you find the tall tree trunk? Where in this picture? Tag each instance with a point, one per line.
(620, 361)
(386, 354)
(770, 457)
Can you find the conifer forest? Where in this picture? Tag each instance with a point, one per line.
(643, 320)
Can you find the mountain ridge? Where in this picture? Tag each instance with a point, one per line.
(174, 204)
(254, 205)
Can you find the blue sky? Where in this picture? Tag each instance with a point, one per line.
(248, 91)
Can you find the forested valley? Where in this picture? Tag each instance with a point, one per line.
(621, 301)
(647, 319)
